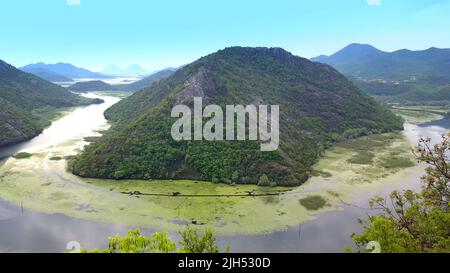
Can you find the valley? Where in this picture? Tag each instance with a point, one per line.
(41, 188)
(233, 128)
(401, 76)
(29, 104)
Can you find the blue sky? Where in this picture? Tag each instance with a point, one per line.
(158, 34)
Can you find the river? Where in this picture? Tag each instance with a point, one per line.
(23, 229)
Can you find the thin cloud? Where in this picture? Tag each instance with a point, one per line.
(373, 2)
(73, 2)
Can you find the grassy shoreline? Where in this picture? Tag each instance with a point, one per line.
(350, 169)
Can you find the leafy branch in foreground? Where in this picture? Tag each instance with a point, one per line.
(415, 222)
(135, 242)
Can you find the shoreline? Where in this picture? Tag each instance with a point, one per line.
(48, 188)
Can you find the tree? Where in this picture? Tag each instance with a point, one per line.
(436, 182)
(135, 242)
(191, 242)
(264, 181)
(235, 177)
(415, 222)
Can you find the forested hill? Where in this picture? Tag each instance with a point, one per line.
(20, 94)
(318, 106)
(408, 75)
(92, 86)
(360, 60)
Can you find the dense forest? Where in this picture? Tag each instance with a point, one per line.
(21, 96)
(318, 106)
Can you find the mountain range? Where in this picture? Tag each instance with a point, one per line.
(318, 106)
(64, 70)
(404, 74)
(21, 96)
(133, 70)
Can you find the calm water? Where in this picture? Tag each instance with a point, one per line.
(80, 121)
(27, 231)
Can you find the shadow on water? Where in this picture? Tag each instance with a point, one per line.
(445, 123)
(27, 231)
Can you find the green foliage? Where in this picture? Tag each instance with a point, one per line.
(314, 202)
(264, 181)
(191, 242)
(135, 242)
(362, 157)
(417, 92)
(91, 86)
(22, 155)
(235, 177)
(21, 94)
(397, 162)
(16, 124)
(413, 222)
(318, 106)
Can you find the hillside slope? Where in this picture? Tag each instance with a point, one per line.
(51, 77)
(62, 69)
(16, 124)
(366, 61)
(317, 106)
(405, 74)
(20, 94)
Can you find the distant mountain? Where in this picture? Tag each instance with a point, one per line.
(21, 94)
(63, 69)
(133, 70)
(112, 70)
(149, 80)
(346, 58)
(318, 105)
(366, 61)
(51, 77)
(137, 70)
(132, 87)
(394, 73)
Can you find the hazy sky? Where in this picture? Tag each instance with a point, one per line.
(158, 34)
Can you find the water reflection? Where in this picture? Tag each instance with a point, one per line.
(26, 231)
(78, 122)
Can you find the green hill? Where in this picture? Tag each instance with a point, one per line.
(405, 75)
(20, 95)
(317, 107)
(92, 86)
(16, 124)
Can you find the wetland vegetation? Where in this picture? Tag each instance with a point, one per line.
(415, 222)
(348, 169)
